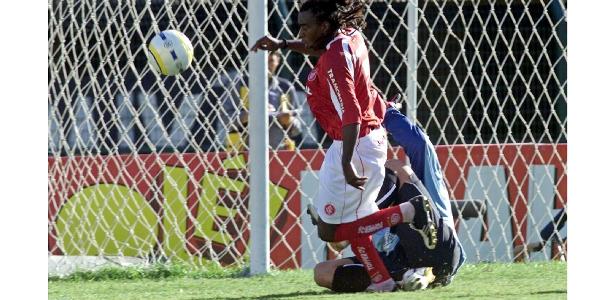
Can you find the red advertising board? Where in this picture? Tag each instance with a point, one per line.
(205, 196)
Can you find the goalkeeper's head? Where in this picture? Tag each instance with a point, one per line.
(319, 20)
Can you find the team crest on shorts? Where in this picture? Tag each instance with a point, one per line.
(329, 209)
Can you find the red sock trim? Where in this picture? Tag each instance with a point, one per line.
(366, 226)
(367, 254)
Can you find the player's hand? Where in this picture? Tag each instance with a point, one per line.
(268, 43)
(394, 164)
(352, 178)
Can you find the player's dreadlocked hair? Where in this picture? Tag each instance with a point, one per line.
(339, 13)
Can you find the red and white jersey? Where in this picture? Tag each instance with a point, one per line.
(339, 89)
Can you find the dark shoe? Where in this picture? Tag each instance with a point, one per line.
(425, 220)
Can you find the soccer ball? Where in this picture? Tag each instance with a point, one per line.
(415, 279)
(170, 52)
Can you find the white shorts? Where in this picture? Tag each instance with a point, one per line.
(338, 202)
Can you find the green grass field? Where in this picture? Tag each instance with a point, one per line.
(481, 281)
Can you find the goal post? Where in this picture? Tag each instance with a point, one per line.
(148, 169)
(411, 59)
(259, 140)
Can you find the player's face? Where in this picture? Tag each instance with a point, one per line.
(311, 31)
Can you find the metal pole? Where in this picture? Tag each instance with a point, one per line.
(411, 59)
(259, 141)
(558, 12)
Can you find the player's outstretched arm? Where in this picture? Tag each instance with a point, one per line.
(298, 46)
(270, 43)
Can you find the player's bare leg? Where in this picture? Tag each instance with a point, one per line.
(359, 232)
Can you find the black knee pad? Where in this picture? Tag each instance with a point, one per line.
(350, 278)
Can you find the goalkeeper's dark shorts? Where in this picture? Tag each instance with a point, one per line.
(410, 252)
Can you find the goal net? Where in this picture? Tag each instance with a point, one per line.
(145, 169)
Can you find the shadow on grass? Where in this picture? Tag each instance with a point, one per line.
(325, 292)
(491, 296)
(273, 296)
(550, 292)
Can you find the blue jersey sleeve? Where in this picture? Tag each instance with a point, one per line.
(409, 136)
(423, 158)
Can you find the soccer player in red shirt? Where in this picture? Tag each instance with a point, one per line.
(343, 100)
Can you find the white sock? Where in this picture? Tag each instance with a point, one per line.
(407, 211)
(384, 286)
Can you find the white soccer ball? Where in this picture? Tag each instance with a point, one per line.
(170, 52)
(414, 279)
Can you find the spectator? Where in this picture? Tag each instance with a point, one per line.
(284, 128)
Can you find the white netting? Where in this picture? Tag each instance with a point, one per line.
(144, 168)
